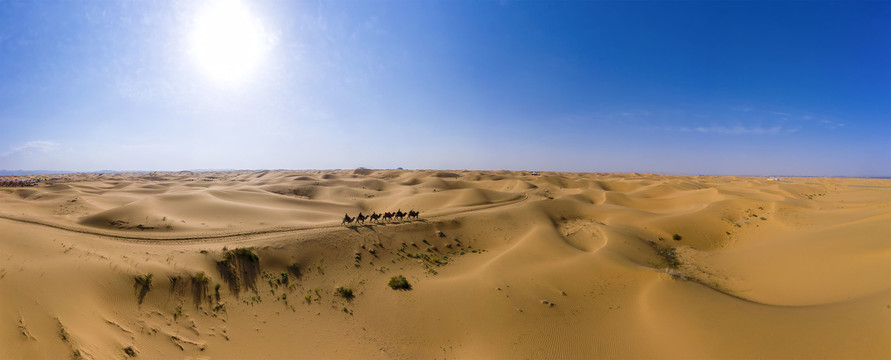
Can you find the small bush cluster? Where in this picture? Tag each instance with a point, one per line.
(200, 282)
(276, 280)
(242, 253)
(238, 266)
(669, 254)
(144, 281)
(294, 269)
(200, 278)
(345, 293)
(283, 279)
(671, 257)
(399, 282)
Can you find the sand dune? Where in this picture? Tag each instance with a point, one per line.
(501, 265)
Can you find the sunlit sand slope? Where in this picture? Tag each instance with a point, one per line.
(501, 265)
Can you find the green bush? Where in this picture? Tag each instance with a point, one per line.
(676, 237)
(345, 293)
(247, 254)
(200, 279)
(399, 282)
(241, 253)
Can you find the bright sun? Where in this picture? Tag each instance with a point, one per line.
(227, 42)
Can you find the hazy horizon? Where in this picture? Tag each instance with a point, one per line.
(718, 88)
(7, 172)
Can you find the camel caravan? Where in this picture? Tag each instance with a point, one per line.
(376, 218)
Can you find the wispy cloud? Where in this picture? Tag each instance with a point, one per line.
(628, 116)
(36, 146)
(737, 121)
(768, 112)
(740, 130)
(807, 120)
(832, 125)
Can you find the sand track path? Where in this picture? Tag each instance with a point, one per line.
(179, 239)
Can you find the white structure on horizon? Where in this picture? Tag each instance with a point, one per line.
(774, 179)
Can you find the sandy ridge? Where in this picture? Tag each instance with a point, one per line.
(184, 239)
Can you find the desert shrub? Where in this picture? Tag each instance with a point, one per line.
(399, 282)
(142, 285)
(669, 254)
(243, 253)
(676, 237)
(200, 278)
(671, 257)
(238, 266)
(144, 281)
(345, 293)
(130, 351)
(294, 269)
(199, 286)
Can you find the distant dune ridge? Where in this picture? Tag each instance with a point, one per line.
(499, 264)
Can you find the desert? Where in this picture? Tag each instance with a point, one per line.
(411, 179)
(497, 265)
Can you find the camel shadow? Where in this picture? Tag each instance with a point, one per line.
(365, 226)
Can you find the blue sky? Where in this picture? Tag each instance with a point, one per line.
(678, 87)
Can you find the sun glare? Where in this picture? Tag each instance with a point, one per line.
(227, 42)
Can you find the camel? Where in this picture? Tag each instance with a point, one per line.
(378, 218)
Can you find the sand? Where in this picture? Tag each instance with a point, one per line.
(502, 265)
